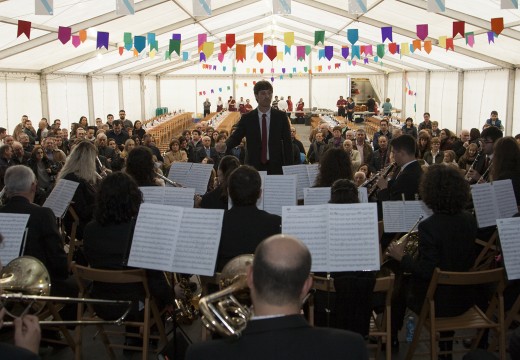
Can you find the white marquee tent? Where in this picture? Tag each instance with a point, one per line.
(42, 77)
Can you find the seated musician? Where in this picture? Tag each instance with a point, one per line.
(107, 244)
(446, 241)
(141, 167)
(335, 164)
(488, 137)
(506, 163)
(244, 225)
(279, 279)
(27, 335)
(218, 198)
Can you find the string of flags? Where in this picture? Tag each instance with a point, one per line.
(352, 51)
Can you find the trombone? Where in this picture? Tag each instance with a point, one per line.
(25, 280)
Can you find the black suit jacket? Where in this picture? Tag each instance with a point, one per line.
(285, 337)
(407, 183)
(280, 144)
(201, 154)
(43, 239)
(243, 228)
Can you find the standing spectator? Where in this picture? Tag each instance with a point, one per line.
(289, 105)
(220, 104)
(341, 105)
(351, 107)
(125, 122)
(207, 107)
(387, 108)
(299, 110)
(371, 104)
(29, 131)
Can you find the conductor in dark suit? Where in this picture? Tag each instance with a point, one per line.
(279, 279)
(244, 225)
(267, 132)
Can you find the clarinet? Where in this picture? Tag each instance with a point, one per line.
(473, 164)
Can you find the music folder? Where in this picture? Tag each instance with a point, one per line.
(191, 175)
(13, 229)
(171, 238)
(492, 201)
(61, 196)
(508, 230)
(306, 176)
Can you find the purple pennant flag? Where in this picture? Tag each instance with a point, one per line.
(300, 52)
(398, 48)
(64, 34)
(491, 37)
(102, 40)
(422, 31)
(212, 91)
(202, 57)
(345, 51)
(76, 41)
(365, 60)
(283, 70)
(178, 36)
(214, 67)
(386, 33)
(329, 52)
(202, 39)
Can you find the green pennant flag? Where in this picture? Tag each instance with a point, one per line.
(167, 55)
(381, 50)
(175, 45)
(154, 45)
(319, 36)
(308, 49)
(128, 40)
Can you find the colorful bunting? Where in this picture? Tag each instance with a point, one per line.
(470, 38)
(82, 35)
(458, 28)
(287, 50)
(329, 52)
(64, 34)
(288, 38)
(220, 57)
(352, 35)
(259, 56)
(150, 37)
(139, 43)
(321, 53)
(240, 52)
(491, 37)
(230, 40)
(381, 50)
(345, 51)
(368, 50)
(355, 52)
(258, 39)
(76, 41)
(386, 33)
(154, 45)
(121, 48)
(497, 25)
(392, 47)
(442, 41)
(416, 45)
(201, 38)
(319, 36)
(300, 52)
(308, 50)
(208, 48)
(422, 31)
(271, 52)
(175, 46)
(202, 56)
(279, 56)
(405, 49)
(449, 44)
(128, 40)
(24, 27)
(185, 55)
(102, 40)
(427, 46)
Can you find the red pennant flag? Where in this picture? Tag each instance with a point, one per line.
(497, 25)
(449, 44)
(121, 49)
(24, 27)
(223, 48)
(230, 40)
(337, 66)
(271, 52)
(261, 71)
(392, 47)
(458, 28)
(362, 49)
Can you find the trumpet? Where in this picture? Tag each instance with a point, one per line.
(472, 167)
(25, 281)
(373, 180)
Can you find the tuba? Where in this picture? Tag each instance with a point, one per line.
(224, 311)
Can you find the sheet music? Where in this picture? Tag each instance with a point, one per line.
(13, 229)
(400, 216)
(505, 198)
(302, 180)
(309, 225)
(363, 194)
(197, 246)
(179, 172)
(508, 230)
(60, 197)
(312, 173)
(485, 205)
(167, 195)
(316, 196)
(279, 190)
(260, 202)
(155, 236)
(198, 177)
(353, 250)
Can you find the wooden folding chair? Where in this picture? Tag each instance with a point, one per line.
(152, 316)
(487, 255)
(474, 318)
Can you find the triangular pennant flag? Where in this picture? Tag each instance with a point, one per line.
(102, 40)
(362, 49)
(230, 40)
(287, 50)
(185, 55)
(220, 57)
(139, 43)
(365, 60)
(261, 71)
(329, 52)
(416, 45)
(491, 37)
(64, 34)
(152, 53)
(82, 35)
(150, 37)
(352, 35)
(405, 49)
(427, 46)
(345, 51)
(279, 56)
(397, 49)
(201, 39)
(167, 55)
(337, 65)
(271, 52)
(288, 38)
(202, 57)
(305, 69)
(254, 70)
(422, 31)
(258, 39)
(300, 52)
(128, 40)
(24, 27)
(177, 37)
(411, 47)
(208, 48)
(355, 52)
(154, 45)
(458, 28)
(442, 41)
(136, 54)
(321, 53)
(508, 4)
(308, 49)
(223, 48)
(381, 50)
(175, 46)
(392, 47)
(259, 56)
(76, 40)
(121, 48)
(283, 70)
(386, 33)
(497, 25)
(368, 50)
(240, 52)
(449, 44)
(470, 38)
(319, 36)
(319, 68)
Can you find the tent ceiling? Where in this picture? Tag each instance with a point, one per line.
(45, 53)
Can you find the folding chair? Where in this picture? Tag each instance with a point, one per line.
(474, 318)
(152, 316)
(488, 253)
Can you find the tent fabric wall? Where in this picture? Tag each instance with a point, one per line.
(179, 94)
(326, 91)
(131, 97)
(516, 105)
(105, 93)
(20, 95)
(415, 102)
(443, 99)
(395, 91)
(150, 97)
(68, 98)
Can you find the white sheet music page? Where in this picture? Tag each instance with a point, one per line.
(302, 178)
(505, 198)
(393, 215)
(13, 229)
(312, 173)
(177, 196)
(197, 246)
(179, 172)
(508, 230)
(279, 190)
(362, 194)
(198, 177)
(61, 196)
(309, 225)
(153, 194)
(260, 202)
(353, 250)
(485, 205)
(412, 211)
(155, 237)
(316, 196)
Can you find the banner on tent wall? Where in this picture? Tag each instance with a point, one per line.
(282, 7)
(201, 7)
(44, 7)
(509, 4)
(125, 7)
(437, 6)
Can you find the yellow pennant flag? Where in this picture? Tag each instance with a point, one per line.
(248, 70)
(405, 49)
(208, 48)
(279, 56)
(288, 38)
(442, 42)
(152, 54)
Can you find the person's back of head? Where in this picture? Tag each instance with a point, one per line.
(281, 267)
(140, 165)
(344, 191)
(405, 143)
(492, 132)
(244, 186)
(18, 180)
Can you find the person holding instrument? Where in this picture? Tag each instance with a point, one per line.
(446, 241)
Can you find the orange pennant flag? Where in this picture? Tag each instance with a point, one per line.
(83, 35)
(258, 39)
(416, 45)
(136, 53)
(240, 52)
(497, 25)
(428, 46)
(259, 57)
(449, 44)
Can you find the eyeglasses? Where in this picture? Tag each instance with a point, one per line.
(484, 141)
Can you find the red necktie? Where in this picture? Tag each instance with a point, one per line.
(263, 156)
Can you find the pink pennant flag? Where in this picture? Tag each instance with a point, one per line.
(422, 31)
(76, 41)
(220, 57)
(64, 34)
(368, 50)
